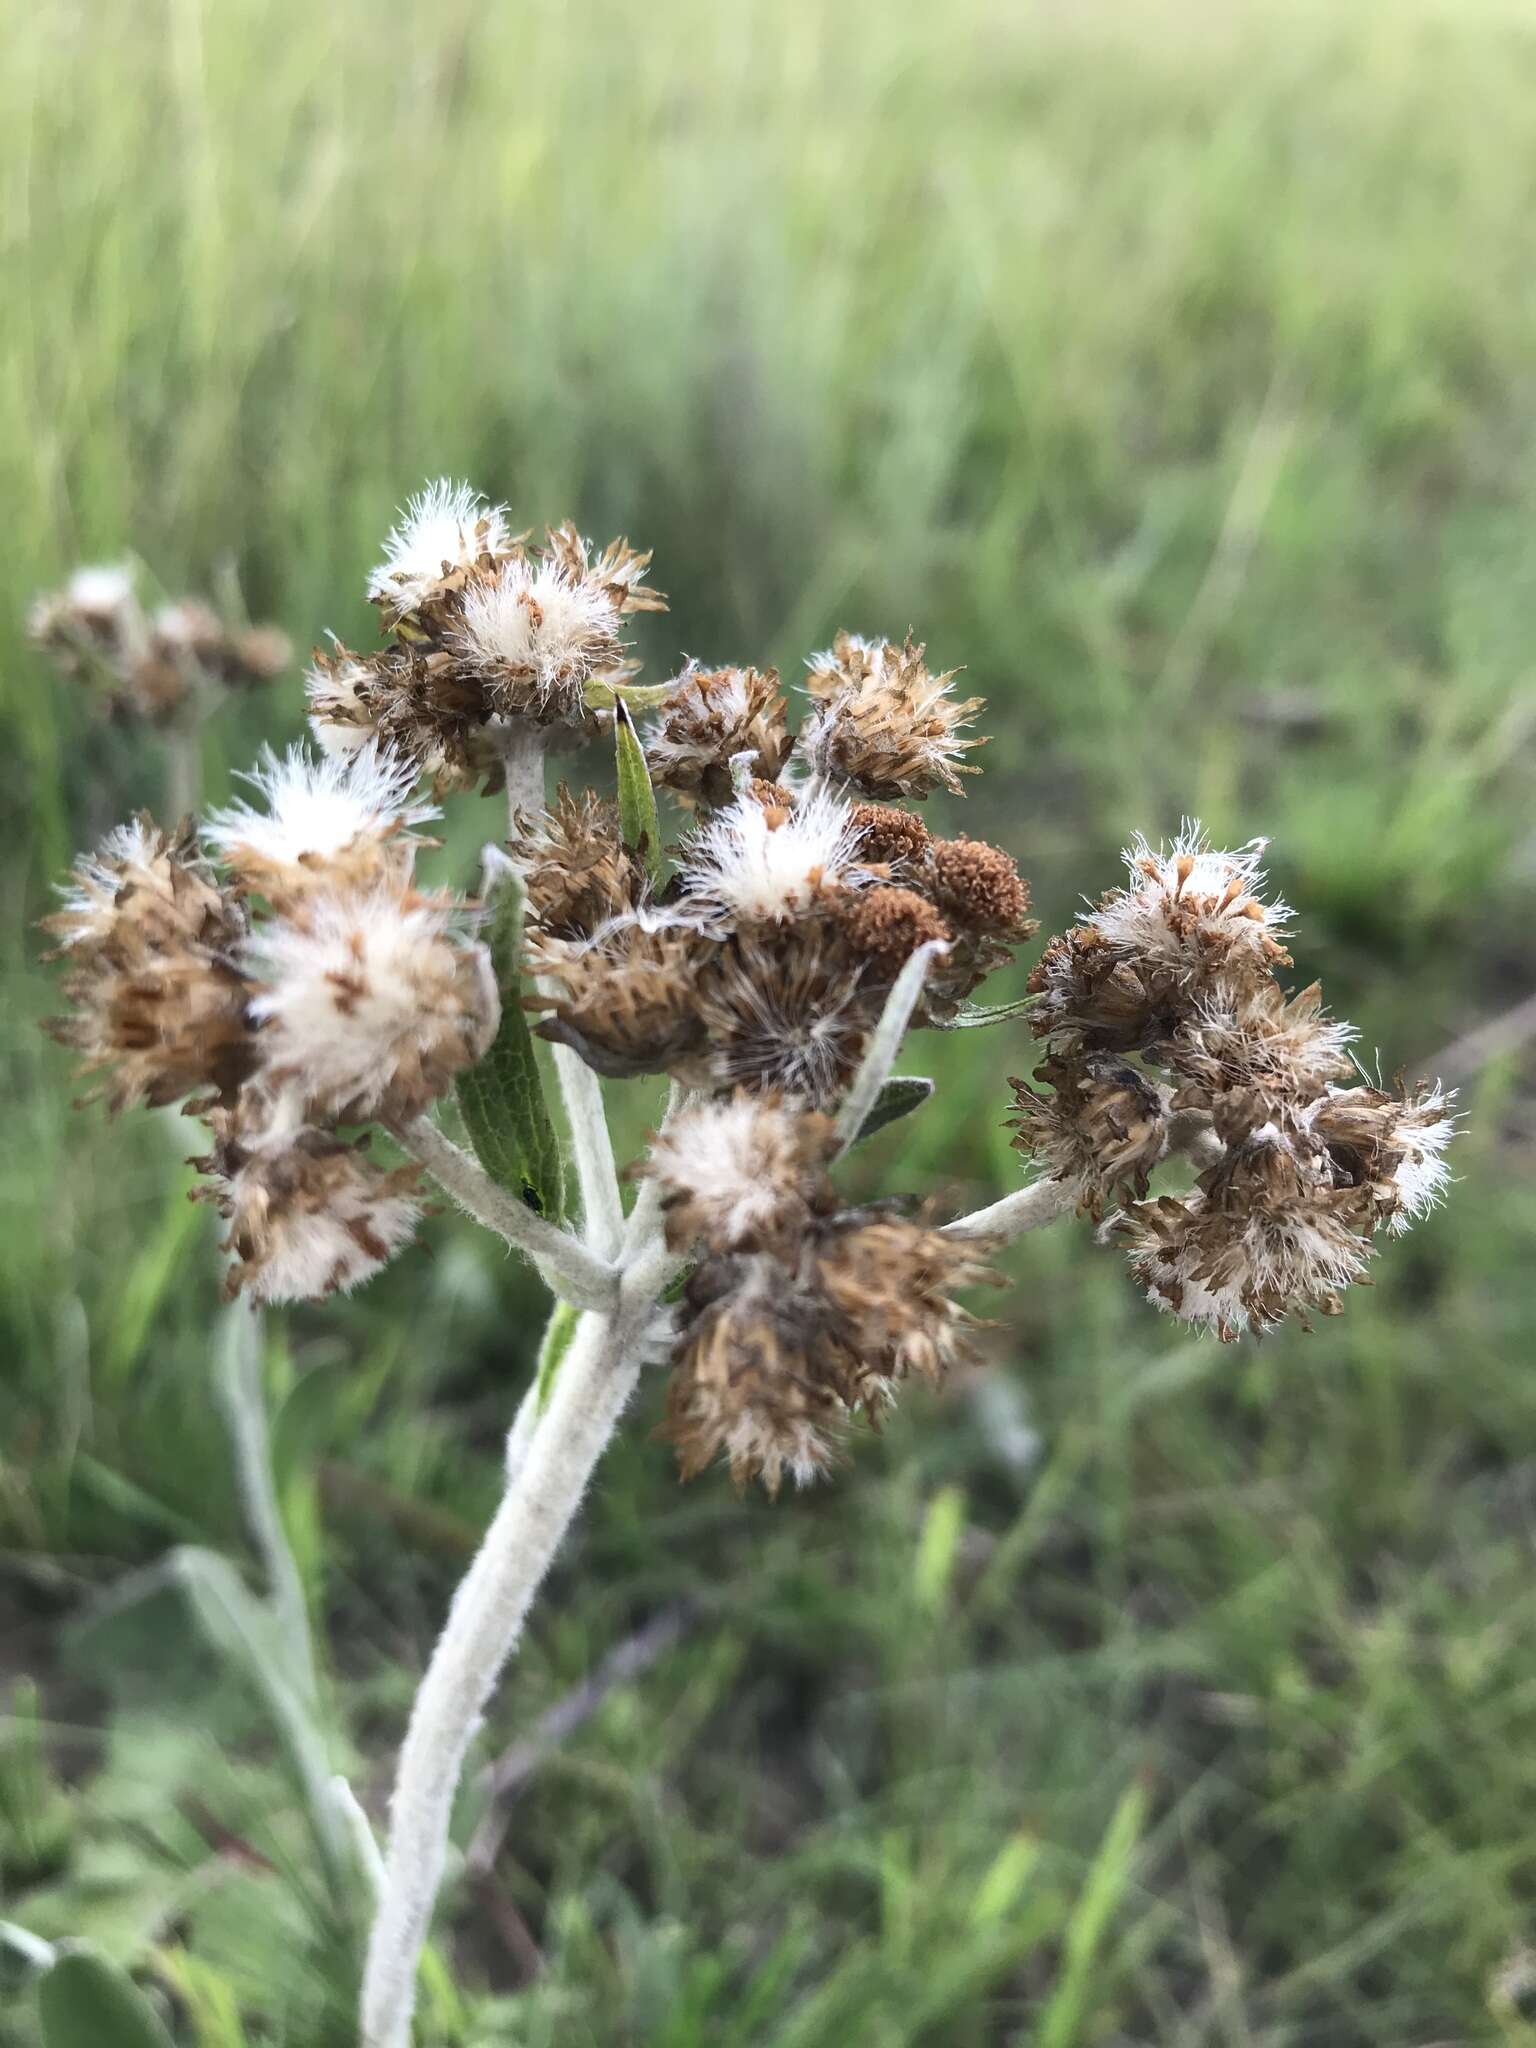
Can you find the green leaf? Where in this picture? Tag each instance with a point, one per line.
(603, 696)
(977, 1016)
(900, 1095)
(245, 1632)
(86, 2002)
(502, 1099)
(1081, 1976)
(637, 800)
(558, 1332)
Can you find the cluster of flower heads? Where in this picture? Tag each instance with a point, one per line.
(483, 631)
(1161, 1013)
(287, 980)
(798, 1314)
(154, 666)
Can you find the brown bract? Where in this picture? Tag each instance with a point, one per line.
(1101, 1127)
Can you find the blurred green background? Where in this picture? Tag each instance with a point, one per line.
(1173, 367)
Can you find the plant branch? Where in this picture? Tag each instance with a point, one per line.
(885, 1042)
(1027, 1208)
(566, 1266)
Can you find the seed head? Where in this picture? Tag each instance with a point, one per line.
(742, 1174)
(537, 634)
(443, 532)
(713, 719)
(159, 1001)
(890, 838)
(625, 997)
(577, 870)
(884, 926)
(755, 863)
(782, 1007)
(307, 1218)
(884, 724)
(1100, 1130)
(369, 1001)
(327, 823)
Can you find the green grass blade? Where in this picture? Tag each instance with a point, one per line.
(86, 2002)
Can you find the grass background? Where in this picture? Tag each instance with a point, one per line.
(1171, 367)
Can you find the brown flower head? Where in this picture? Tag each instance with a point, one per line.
(743, 1174)
(749, 1377)
(889, 838)
(159, 999)
(369, 1001)
(884, 724)
(782, 1007)
(308, 1216)
(625, 997)
(577, 870)
(715, 717)
(1101, 1129)
(889, 1280)
(884, 926)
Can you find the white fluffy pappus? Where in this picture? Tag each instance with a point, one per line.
(541, 622)
(99, 591)
(370, 1001)
(736, 1164)
(1427, 1128)
(1191, 889)
(445, 526)
(317, 809)
(310, 1252)
(767, 864)
(340, 738)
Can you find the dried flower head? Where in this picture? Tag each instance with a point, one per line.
(782, 1007)
(1267, 1233)
(536, 634)
(417, 704)
(332, 822)
(755, 862)
(577, 870)
(898, 840)
(747, 1379)
(1101, 1128)
(625, 997)
(890, 1282)
(308, 1217)
(1391, 1146)
(443, 532)
(369, 1001)
(1251, 1035)
(883, 927)
(159, 1000)
(742, 1174)
(715, 719)
(883, 723)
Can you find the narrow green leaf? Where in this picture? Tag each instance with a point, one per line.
(558, 1333)
(86, 2002)
(637, 800)
(901, 1094)
(602, 696)
(502, 1099)
(977, 1016)
(244, 1631)
(1066, 2016)
(937, 1549)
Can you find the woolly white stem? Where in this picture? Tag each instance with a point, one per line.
(522, 753)
(1026, 1209)
(566, 1266)
(885, 1042)
(597, 1174)
(243, 1399)
(591, 1388)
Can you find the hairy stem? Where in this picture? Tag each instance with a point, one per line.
(1026, 1208)
(590, 1391)
(567, 1267)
